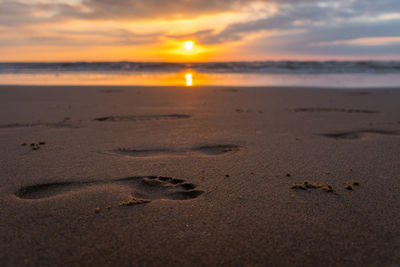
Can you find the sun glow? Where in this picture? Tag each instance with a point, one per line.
(177, 51)
(189, 45)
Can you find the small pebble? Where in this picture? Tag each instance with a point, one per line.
(288, 175)
(134, 201)
(356, 183)
(23, 144)
(349, 187)
(36, 147)
(328, 189)
(97, 210)
(299, 186)
(313, 186)
(42, 142)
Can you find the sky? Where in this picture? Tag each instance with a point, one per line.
(222, 30)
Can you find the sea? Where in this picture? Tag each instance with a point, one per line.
(324, 74)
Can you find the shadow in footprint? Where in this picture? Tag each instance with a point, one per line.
(358, 134)
(358, 93)
(111, 91)
(206, 149)
(66, 123)
(142, 152)
(216, 149)
(48, 190)
(144, 189)
(228, 90)
(142, 117)
(344, 110)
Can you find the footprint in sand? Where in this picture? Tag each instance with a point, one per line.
(216, 149)
(358, 134)
(66, 123)
(344, 110)
(144, 189)
(358, 93)
(111, 91)
(206, 150)
(143, 117)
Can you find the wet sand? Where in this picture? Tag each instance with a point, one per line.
(197, 176)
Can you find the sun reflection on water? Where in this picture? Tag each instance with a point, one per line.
(189, 79)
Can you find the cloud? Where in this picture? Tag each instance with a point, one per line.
(369, 41)
(309, 17)
(13, 12)
(334, 38)
(116, 37)
(148, 9)
(18, 12)
(295, 26)
(23, 11)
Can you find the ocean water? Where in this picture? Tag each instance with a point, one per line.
(349, 74)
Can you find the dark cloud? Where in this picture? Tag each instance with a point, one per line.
(14, 12)
(308, 43)
(311, 17)
(148, 9)
(134, 9)
(18, 12)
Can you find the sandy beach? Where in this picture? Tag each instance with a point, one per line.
(194, 176)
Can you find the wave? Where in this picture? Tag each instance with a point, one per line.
(278, 67)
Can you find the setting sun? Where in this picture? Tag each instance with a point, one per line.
(186, 51)
(189, 45)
